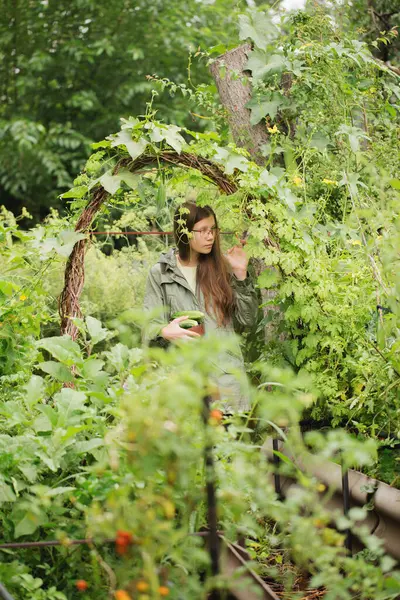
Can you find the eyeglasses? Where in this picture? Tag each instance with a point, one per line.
(203, 232)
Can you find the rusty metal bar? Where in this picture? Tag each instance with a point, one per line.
(44, 544)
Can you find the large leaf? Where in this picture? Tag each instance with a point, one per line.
(57, 370)
(7, 287)
(129, 178)
(76, 192)
(354, 135)
(267, 178)
(92, 368)
(268, 278)
(66, 241)
(231, 160)
(258, 27)
(29, 470)
(261, 64)
(169, 133)
(88, 445)
(6, 492)
(267, 105)
(96, 331)
(395, 184)
(111, 183)
(124, 138)
(70, 400)
(34, 390)
(62, 348)
(28, 524)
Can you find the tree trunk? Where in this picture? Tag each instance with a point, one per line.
(234, 91)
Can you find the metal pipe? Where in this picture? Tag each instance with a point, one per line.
(346, 507)
(4, 595)
(44, 544)
(212, 519)
(277, 477)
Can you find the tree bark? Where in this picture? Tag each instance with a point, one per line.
(234, 91)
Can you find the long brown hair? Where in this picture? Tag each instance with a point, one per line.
(213, 272)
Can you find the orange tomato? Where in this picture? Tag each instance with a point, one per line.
(81, 585)
(142, 586)
(122, 595)
(216, 415)
(163, 590)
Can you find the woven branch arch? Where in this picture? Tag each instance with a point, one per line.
(74, 278)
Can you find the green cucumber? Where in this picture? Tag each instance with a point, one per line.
(188, 324)
(196, 315)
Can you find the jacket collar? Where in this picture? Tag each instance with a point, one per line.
(170, 269)
(169, 260)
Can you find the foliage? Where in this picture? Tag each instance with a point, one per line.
(325, 201)
(106, 439)
(118, 453)
(70, 70)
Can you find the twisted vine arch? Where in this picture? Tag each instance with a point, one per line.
(74, 278)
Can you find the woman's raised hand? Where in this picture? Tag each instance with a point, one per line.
(173, 332)
(238, 260)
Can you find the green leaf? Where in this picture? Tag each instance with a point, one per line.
(268, 278)
(93, 368)
(124, 138)
(70, 400)
(258, 27)
(231, 160)
(57, 370)
(29, 471)
(111, 183)
(76, 192)
(88, 445)
(169, 133)
(129, 178)
(261, 64)
(395, 183)
(28, 524)
(102, 144)
(6, 492)
(50, 413)
(66, 242)
(290, 199)
(59, 490)
(96, 331)
(34, 390)
(7, 287)
(62, 348)
(267, 178)
(319, 141)
(269, 106)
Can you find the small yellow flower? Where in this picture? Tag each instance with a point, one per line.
(273, 129)
(355, 242)
(321, 487)
(23, 297)
(297, 180)
(329, 181)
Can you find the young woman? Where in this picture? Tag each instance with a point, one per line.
(197, 276)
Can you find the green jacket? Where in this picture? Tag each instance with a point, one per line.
(167, 287)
